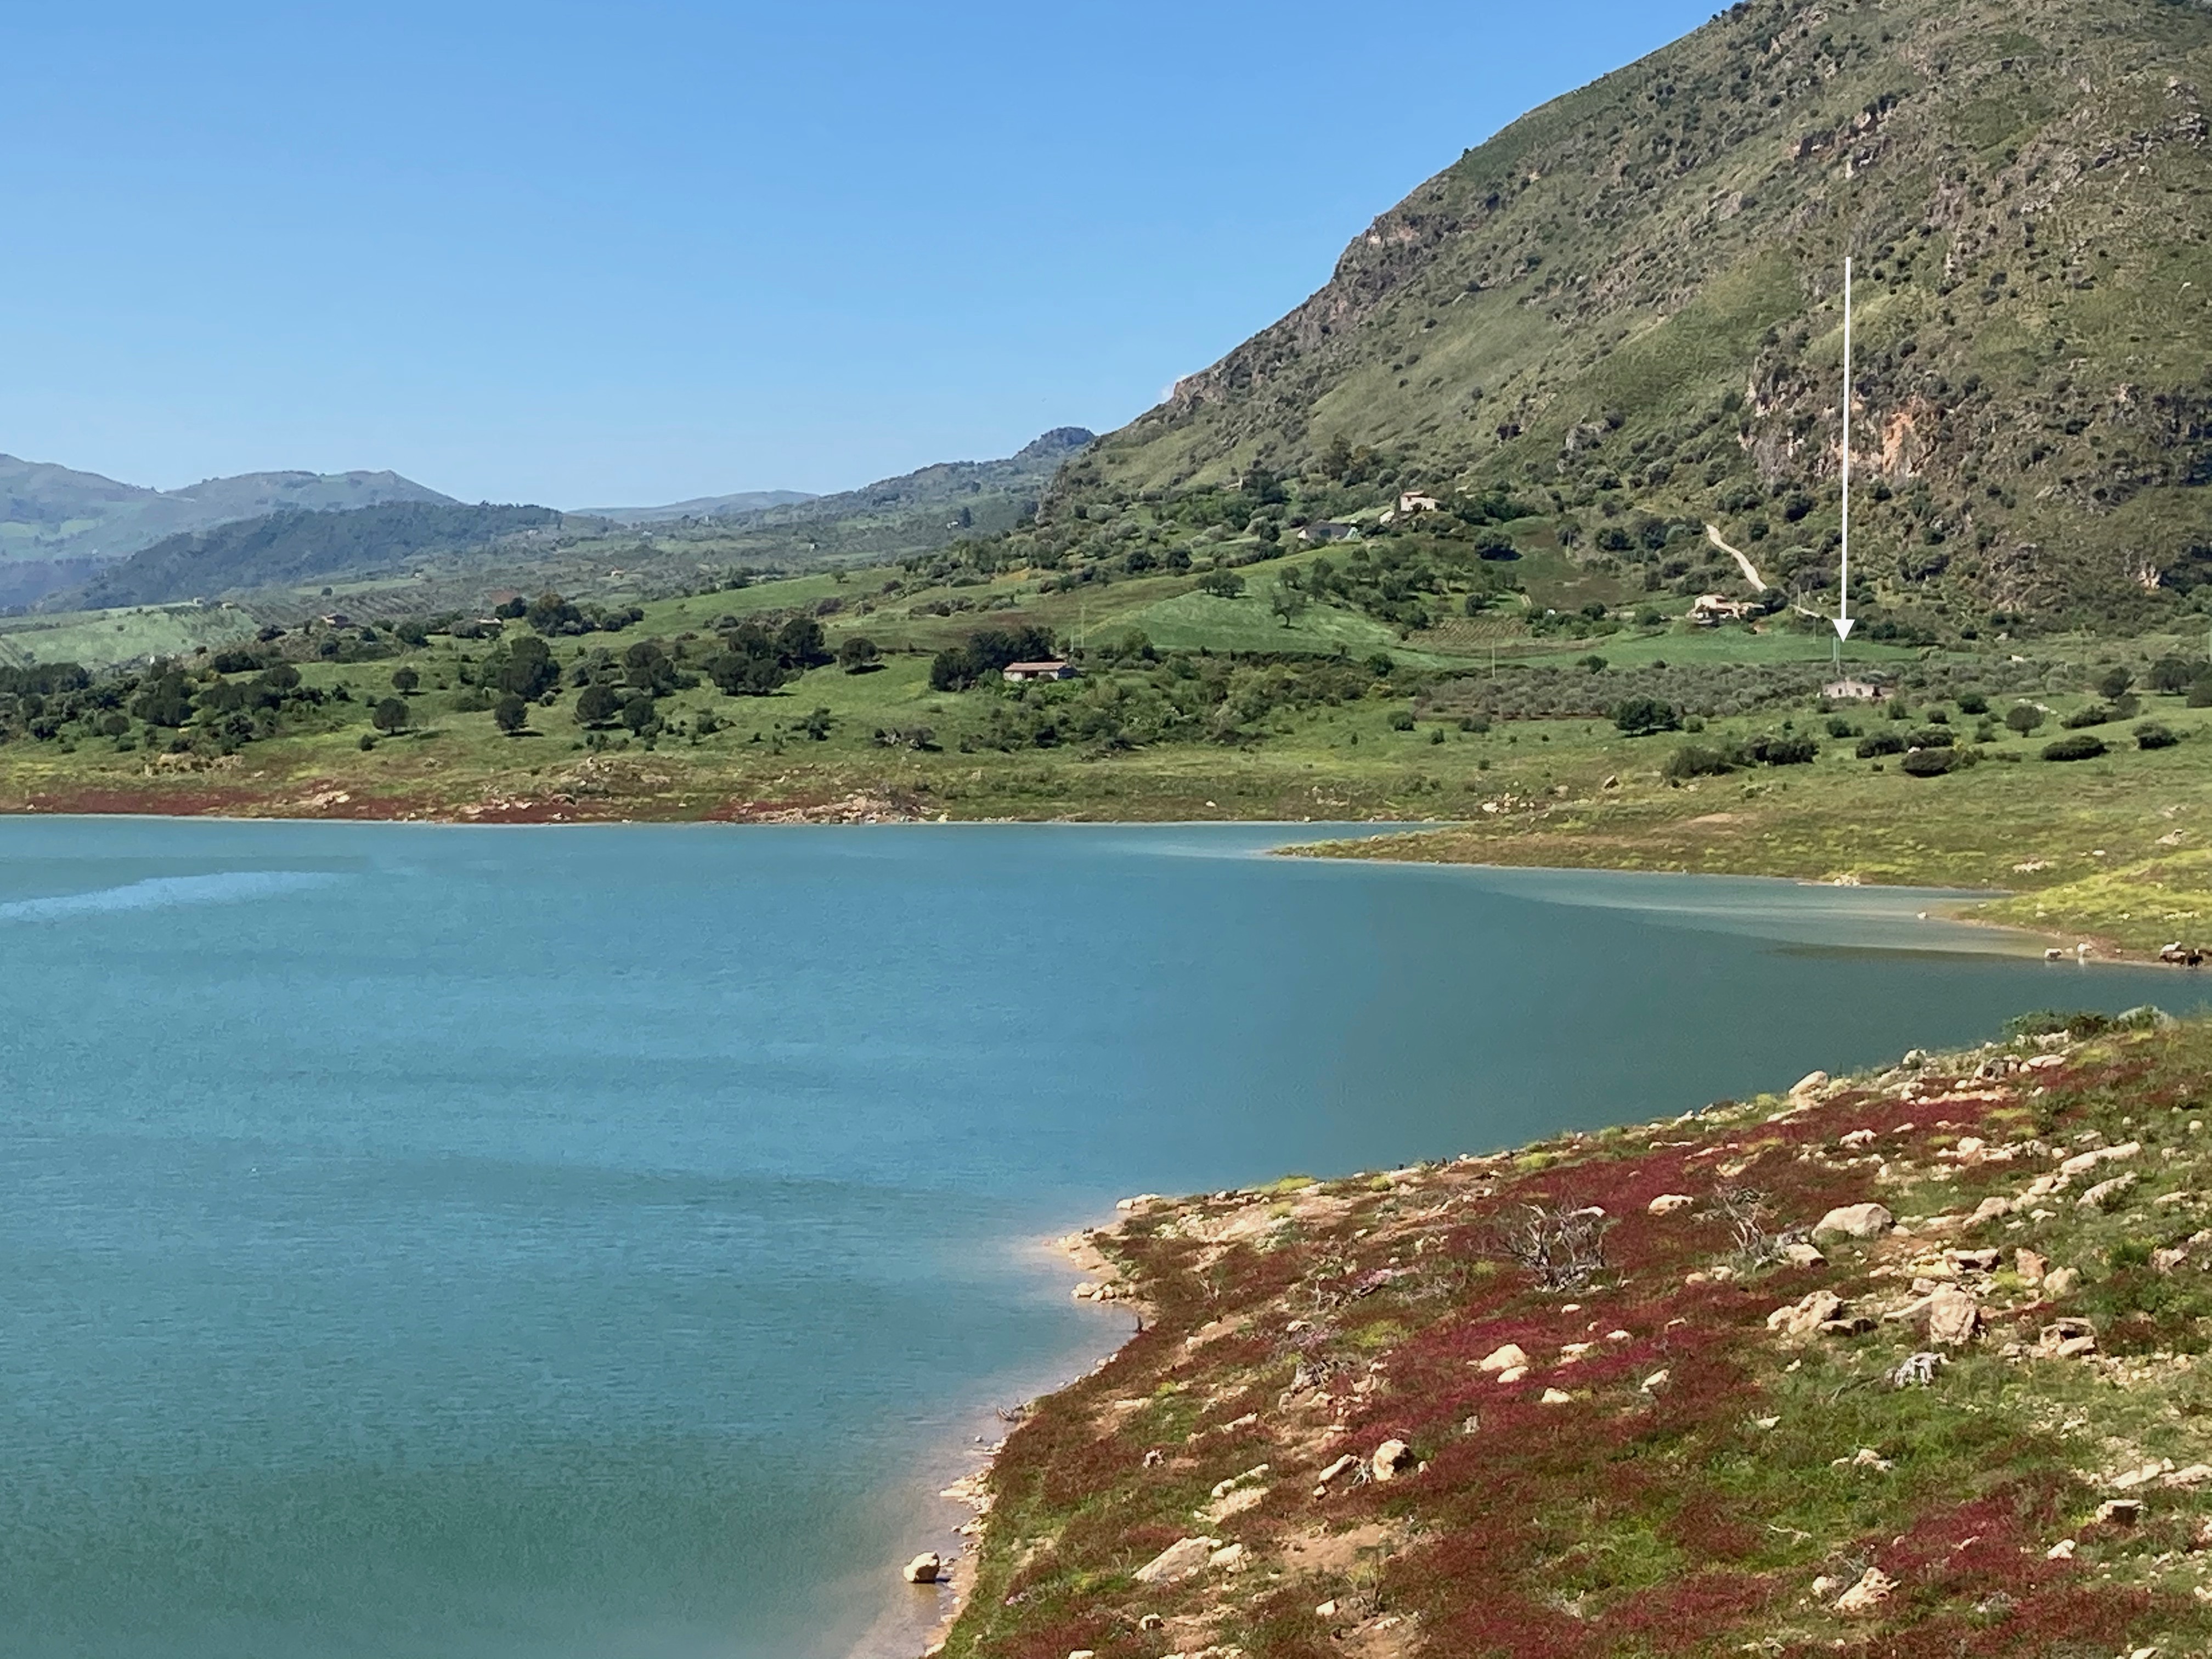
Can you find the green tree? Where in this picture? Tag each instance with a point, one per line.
(510, 714)
(2114, 681)
(1222, 584)
(1286, 599)
(801, 641)
(857, 654)
(2023, 718)
(528, 669)
(639, 715)
(404, 680)
(1641, 716)
(597, 704)
(390, 715)
(817, 724)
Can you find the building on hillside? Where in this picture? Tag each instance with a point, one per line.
(1850, 691)
(1020, 673)
(336, 619)
(1324, 530)
(1414, 501)
(1711, 610)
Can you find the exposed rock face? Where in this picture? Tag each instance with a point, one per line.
(1855, 1221)
(1392, 1459)
(1178, 1561)
(1668, 1203)
(924, 1569)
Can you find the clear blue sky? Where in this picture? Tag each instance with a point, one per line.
(602, 254)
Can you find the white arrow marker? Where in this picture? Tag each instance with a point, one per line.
(1844, 610)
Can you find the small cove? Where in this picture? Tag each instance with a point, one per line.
(421, 1241)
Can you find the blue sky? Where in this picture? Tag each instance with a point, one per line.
(599, 254)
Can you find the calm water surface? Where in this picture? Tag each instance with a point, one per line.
(466, 1243)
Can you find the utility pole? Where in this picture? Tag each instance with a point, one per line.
(1844, 606)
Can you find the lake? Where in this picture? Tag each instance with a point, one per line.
(482, 1243)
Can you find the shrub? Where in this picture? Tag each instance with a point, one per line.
(390, 715)
(1402, 721)
(1973, 703)
(1931, 736)
(2200, 693)
(2152, 735)
(1879, 743)
(1788, 749)
(2095, 715)
(1935, 763)
(2023, 718)
(2083, 747)
(1697, 760)
(2114, 681)
(510, 714)
(1840, 727)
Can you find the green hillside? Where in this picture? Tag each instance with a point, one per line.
(295, 547)
(1625, 309)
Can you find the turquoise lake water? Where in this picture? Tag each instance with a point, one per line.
(471, 1244)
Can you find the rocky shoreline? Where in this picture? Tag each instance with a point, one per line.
(1912, 1363)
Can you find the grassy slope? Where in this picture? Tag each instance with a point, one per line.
(2026, 186)
(1694, 1483)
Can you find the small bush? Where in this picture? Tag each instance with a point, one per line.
(1930, 762)
(2083, 747)
(1879, 743)
(2152, 735)
(1973, 703)
(1932, 737)
(2023, 718)
(1402, 721)
(1840, 727)
(2200, 693)
(2095, 715)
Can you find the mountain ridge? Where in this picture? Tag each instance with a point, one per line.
(1628, 301)
(57, 525)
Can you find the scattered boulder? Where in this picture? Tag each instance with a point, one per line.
(1865, 1597)
(2083, 1162)
(2030, 1266)
(1655, 1382)
(2119, 1512)
(1855, 1221)
(2062, 1281)
(2067, 1339)
(1798, 1253)
(1668, 1203)
(1392, 1459)
(1953, 1318)
(1807, 1315)
(1178, 1561)
(2105, 1193)
(1230, 1557)
(1509, 1358)
(924, 1569)
(1809, 1086)
(1556, 1397)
